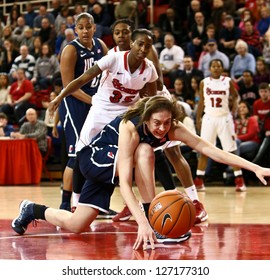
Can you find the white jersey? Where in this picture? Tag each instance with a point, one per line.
(216, 96)
(118, 89)
(118, 86)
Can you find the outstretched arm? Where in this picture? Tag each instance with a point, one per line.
(180, 133)
(73, 86)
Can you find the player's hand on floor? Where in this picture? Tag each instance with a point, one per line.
(145, 236)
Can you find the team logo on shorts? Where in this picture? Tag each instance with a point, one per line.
(110, 155)
(70, 149)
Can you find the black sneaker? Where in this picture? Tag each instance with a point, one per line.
(25, 218)
(65, 206)
(164, 239)
(111, 213)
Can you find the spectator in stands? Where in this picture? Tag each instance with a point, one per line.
(21, 92)
(247, 89)
(35, 50)
(264, 21)
(195, 92)
(70, 22)
(69, 36)
(188, 71)
(5, 128)
(103, 20)
(158, 39)
(181, 8)
(261, 109)
(194, 6)
(78, 9)
(61, 18)
(50, 123)
(43, 13)
(266, 46)
(18, 32)
(247, 129)
(33, 128)
(228, 37)
(5, 97)
(47, 33)
(180, 92)
(25, 61)
(218, 8)
(246, 14)
(7, 34)
(13, 16)
(252, 37)
(213, 53)
(242, 61)
(30, 14)
(28, 38)
(90, 4)
(171, 58)
(262, 74)
(47, 65)
(126, 9)
(197, 37)
(60, 37)
(211, 33)
(170, 22)
(57, 6)
(8, 55)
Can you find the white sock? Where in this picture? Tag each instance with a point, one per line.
(200, 172)
(75, 199)
(192, 192)
(237, 173)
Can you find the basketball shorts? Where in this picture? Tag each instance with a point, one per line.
(221, 127)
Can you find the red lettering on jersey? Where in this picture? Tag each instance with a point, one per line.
(119, 86)
(209, 91)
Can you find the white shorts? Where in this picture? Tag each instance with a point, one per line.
(221, 127)
(94, 123)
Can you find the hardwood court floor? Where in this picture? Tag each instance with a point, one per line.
(237, 229)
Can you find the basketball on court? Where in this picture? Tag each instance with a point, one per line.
(172, 213)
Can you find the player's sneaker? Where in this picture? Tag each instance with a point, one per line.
(25, 217)
(109, 215)
(199, 184)
(124, 215)
(65, 206)
(164, 239)
(201, 214)
(240, 184)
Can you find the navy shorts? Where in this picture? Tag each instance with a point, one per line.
(98, 167)
(73, 113)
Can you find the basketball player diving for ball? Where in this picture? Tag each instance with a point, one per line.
(125, 147)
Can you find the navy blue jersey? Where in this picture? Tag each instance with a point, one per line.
(73, 111)
(86, 59)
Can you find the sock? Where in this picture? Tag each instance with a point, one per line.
(39, 211)
(237, 173)
(163, 171)
(66, 196)
(75, 199)
(200, 173)
(192, 192)
(146, 208)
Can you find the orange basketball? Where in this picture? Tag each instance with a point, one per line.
(172, 213)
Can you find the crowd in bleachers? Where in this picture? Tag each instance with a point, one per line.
(188, 35)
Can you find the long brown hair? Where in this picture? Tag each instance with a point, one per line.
(147, 106)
